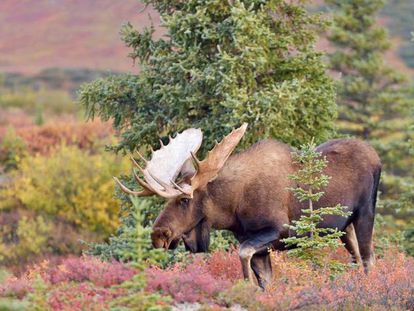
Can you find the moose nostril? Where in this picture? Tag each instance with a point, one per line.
(160, 236)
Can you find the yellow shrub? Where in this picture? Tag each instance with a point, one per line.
(32, 237)
(70, 184)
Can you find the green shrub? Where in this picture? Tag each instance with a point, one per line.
(51, 101)
(8, 304)
(12, 150)
(385, 238)
(222, 240)
(132, 241)
(32, 235)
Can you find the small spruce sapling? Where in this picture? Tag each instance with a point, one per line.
(137, 298)
(309, 240)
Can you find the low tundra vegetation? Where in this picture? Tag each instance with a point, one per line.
(214, 282)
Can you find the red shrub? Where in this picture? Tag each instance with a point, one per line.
(198, 281)
(81, 296)
(74, 284)
(225, 265)
(15, 287)
(81, 269)
(88, 284)
(390, 283)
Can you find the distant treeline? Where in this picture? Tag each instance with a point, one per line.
(66, 79)
(399, 15)
(400, 21)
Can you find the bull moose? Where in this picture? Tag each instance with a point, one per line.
(247, 194)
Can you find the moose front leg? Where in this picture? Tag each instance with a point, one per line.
(257, 244)
(262, 268)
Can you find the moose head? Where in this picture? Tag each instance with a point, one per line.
(176, 174)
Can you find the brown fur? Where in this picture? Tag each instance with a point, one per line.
(250, 198)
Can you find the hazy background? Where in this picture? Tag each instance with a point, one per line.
(36, 35)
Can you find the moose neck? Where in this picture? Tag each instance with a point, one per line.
(238, 192)
(221, 202)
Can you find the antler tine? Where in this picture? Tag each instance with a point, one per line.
(159, 181)
(136, 164)
(162, 144)
(180, 188)
(196, 161)
(141, 156)
(142, 183)
(139, 180)
(241, 129)
(145, 192)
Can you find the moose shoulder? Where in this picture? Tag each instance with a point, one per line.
(247, 194)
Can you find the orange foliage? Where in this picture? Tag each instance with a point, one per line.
(43, 139)
(60, 130)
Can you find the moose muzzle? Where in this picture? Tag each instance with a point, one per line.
(161, 237)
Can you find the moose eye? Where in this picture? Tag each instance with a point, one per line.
(184, 202)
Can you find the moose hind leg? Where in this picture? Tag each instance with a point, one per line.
(364, 225)
(258, 243)
(262, 268)
(351, 244)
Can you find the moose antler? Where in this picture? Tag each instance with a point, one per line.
(208, 169)
(162, 170)
(166, 163)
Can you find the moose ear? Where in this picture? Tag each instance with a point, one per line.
(208, 169)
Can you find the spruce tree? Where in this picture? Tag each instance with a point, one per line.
(371, 94)
(219, 64)
(307, 238)
(373, 101)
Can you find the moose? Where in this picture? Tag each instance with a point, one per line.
(247, 194)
